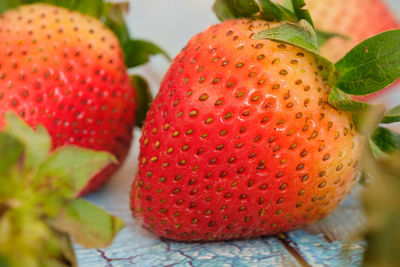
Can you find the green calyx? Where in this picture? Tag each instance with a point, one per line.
(39, 214)
(291, 11)
(261, 9)
(137, 52)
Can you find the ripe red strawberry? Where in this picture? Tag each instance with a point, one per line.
(66, 71)
(241, 141)
(357, 19)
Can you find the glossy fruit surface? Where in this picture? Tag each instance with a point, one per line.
(241, 141)
(66, 71)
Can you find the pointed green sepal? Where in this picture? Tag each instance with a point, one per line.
(271, 11)
(70, 168)
(386, 140)
(342, 101)
(143, 96)
(87, 224)
(223, 10)
(392, 115)
(92, 8)
(365, 116)
(37, 142)
(301, 12)
(261, 9)
(230, 9)
(303, 36)
(35, 186)
(138, 52)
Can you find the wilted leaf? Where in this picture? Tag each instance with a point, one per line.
(37, 143)
(89, 225)
(70, 168)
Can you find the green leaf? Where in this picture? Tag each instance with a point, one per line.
(365, 116)
(37, 143)
(11, 151)
(137, 52)
(143, 96)
(90, 7)
(243, 8)
(88, 225)
(275, 12)
(114, 19)
(302, 36)
(70, 4)
(70, 168)
(262, 9)
(376, 151)
(8, 4)
(392, 115)
(387, 140)
(292, 34)
(342, 101)
(229, 9)
(370, 66)
(323, 37)
(222, 10)
(288, 4)
(301, 13)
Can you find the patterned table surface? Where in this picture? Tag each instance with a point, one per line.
(325, 243)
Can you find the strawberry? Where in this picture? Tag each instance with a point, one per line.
(241, 141)
(357, 19)
(66, 71)
(251, 132)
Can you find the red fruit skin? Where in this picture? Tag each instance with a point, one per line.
(66, 71)
(357, 19)
(241, 141)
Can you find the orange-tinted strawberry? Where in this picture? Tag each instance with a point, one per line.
(241, 141)
(66, 71)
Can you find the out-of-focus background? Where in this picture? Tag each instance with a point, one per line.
(170, 24)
